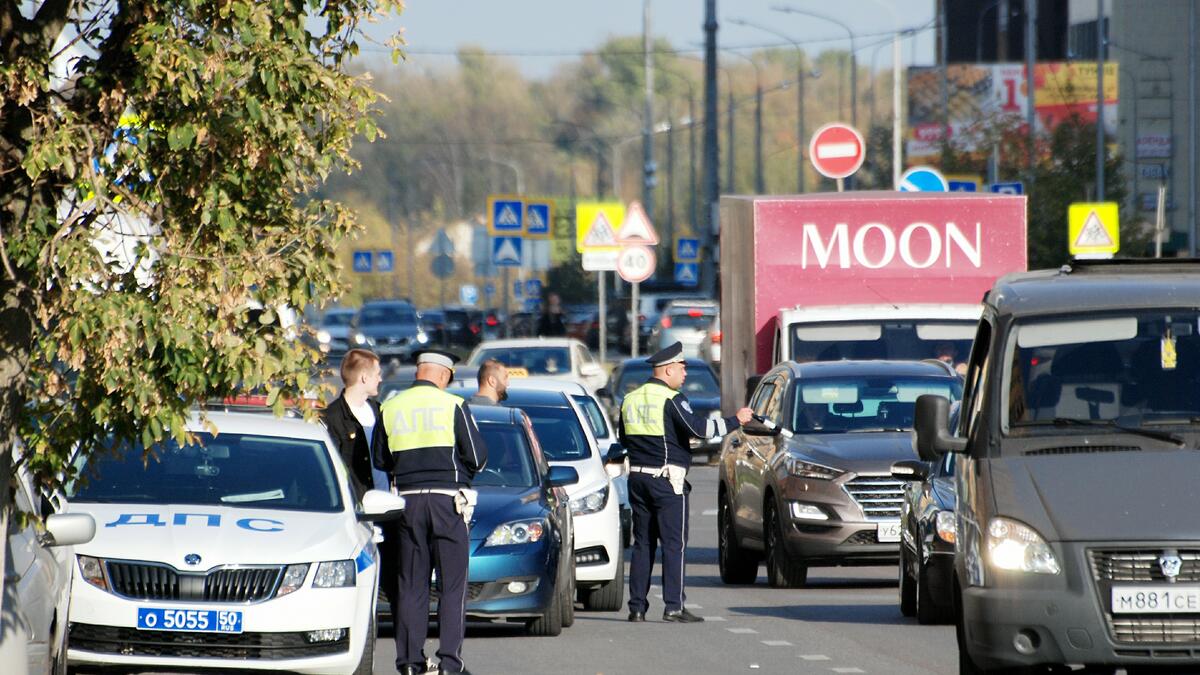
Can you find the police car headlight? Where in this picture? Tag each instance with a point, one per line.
(802, 469)
(334, 574)
(1016, 547)
(293, 579)
(92, 571)
(324, 337)
(592, 502)
(517, 532)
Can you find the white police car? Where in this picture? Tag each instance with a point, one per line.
(245, 551)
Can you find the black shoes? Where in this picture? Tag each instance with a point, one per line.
(682, 616)
(637, 616)
(411, 669)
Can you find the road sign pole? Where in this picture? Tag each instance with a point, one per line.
(636, 321)
(603, 319)
(507, 290)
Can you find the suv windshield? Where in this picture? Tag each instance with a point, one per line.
(847, 404)
(386, 314)
(947, 340)
(226, 470)
(510, 463)
(1124, 370)
(535, 360)
(559, 433)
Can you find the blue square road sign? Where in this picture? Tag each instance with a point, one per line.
(362, 261)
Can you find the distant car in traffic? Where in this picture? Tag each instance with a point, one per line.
(686, 322)
(333, 333)
(522, 558)
(928, 533)
(650, 308)
(249, 544)
(557, 358)
(816, 488)
(701, 388)
(710, 345)
(390, 328)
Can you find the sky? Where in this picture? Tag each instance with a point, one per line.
(539, 35)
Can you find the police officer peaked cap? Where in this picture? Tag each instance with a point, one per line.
(437, 357)
(672, 354)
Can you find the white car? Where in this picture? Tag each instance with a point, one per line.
(248, 548)
(37, 570)
(554, 358)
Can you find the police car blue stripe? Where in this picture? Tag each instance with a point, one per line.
(363, 560)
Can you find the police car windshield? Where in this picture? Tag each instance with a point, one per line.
(700, 382)
(559, 432)
(535, 360)
(510, 462)
(237, 470)
(852, 404)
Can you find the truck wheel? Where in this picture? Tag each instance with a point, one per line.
(737, 565)
(366, 664)
(549, 624)
(908, 589)
(782, 572)
(928, 612)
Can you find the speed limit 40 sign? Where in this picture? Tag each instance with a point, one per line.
(635, 264)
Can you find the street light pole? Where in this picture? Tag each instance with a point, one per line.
(648, 167)
(759, 178)
(1099, 100)
(712, 189)
(853, 58)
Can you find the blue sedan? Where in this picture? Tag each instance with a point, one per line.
(521, 569)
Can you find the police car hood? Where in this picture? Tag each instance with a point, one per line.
(1150, 495)
(220, 535)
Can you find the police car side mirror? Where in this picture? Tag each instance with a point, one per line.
(932, 423)
(69, 529)
(562, 476)
(379, 506)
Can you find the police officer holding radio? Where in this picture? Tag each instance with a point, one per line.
(435, 449)
(656, 424)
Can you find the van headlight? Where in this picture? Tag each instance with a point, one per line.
(802, 469)
(517, 532)
(1016, 547)
(591, 502)
(334, 574)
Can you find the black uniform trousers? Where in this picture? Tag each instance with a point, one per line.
(432, 530)
(658, 515)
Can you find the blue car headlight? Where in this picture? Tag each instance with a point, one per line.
(517, 532)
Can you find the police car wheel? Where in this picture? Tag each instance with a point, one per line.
(366, 664)
(908, 590)
(736, 564)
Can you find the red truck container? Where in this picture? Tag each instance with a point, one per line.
(857, 275)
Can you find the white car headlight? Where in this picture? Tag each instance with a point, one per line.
(92, 570)
(334, 574)
(591, 502)
(947, 526)
(293, 579)
(802, 469)
(517, 532)
(1016, 547)
(324, 337)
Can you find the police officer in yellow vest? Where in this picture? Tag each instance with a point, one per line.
(435, 450)
(656, 424)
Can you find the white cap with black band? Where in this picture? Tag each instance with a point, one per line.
(440, 358)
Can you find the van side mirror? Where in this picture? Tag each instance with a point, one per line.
(932, 422)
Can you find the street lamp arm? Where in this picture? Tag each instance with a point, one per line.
(804, 12)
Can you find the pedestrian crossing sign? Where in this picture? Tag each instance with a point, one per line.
(596, 225)
(538, 218)
(687, 273)
(506, 251)
(687, 249)
(506, 216)
(1093, 229)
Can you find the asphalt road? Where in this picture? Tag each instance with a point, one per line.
(846, 621)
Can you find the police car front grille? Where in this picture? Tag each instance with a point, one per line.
(880, 497)
(154, 581)
(250, 646)
(1141, 565)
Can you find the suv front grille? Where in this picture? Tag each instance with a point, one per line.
(153, 581)
(1141, 565)
(880, 497)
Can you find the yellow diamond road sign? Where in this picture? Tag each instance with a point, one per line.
(596, 225)
(1093, 229)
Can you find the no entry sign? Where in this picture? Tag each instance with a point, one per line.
(836, 150)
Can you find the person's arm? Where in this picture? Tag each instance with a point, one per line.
(679, 409)
(469, 445)
(381, 458)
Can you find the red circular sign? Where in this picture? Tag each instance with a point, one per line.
(635, 264)
(836, 150)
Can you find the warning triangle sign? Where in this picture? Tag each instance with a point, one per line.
(508, 217)
(601, 233)
(1093, 234)
(637, 230)
(507, 252)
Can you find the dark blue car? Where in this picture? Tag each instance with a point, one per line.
(702, 389)
(521, 531)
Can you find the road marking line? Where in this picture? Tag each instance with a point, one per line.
(714, 618)
(742, 631)
(777, 643)
(691, 606)
(814, 657)
(848, 670)
(710, 512)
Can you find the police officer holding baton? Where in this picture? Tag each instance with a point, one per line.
(656, 424)
(435, 449)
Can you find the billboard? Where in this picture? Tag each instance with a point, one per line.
(983, 97)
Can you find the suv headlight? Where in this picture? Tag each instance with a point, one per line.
(1015, 546)
(591, 502)
(517, 532)
(802, 469)
(293, 579)
(92, 571)
(947, 526)
(334, 574)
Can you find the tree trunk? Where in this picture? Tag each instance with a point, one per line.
(16, 334)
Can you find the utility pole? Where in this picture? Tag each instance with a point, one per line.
(670, 173)
(944, 59)
(712, 190)
(1099, 100)
(731, 160)
(1030, 62)
(648, 168)
(760, 179)
(693, 187)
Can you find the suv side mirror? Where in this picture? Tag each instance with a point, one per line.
(910, 470)
(380, 505)
(756, 428)
(932, 422)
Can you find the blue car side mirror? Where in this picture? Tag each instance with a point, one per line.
(562, 476)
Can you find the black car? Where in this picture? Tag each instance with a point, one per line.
(702, 389)
(927, 535)
(815, 489)
(390, 328)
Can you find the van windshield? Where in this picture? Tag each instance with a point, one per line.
(1132, 369)
(903, 340)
